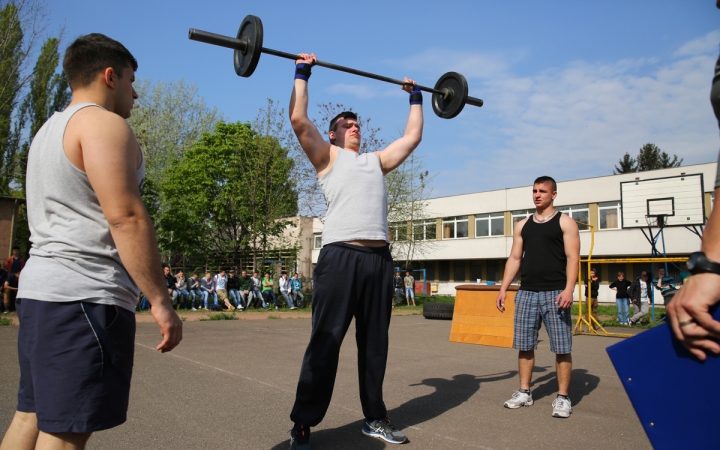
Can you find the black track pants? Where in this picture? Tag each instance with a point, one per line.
(349, 281)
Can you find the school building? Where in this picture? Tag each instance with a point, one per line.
(468, 237)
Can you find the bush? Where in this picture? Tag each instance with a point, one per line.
(4, 321)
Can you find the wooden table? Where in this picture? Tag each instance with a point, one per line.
(476, 319)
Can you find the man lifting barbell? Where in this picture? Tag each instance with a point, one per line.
(354, 273)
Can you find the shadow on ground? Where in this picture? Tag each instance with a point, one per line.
(581, 384)
(448, 394)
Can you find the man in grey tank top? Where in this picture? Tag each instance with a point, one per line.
(90, 230)
(546, 248)
(354, 273)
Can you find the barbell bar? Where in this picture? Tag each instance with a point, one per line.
(450, 94)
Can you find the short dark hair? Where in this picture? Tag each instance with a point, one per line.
(15, 247)
(546, 179)
(91, 54)
(342, 115)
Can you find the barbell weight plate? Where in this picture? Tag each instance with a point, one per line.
(447, 108)
(246, 62)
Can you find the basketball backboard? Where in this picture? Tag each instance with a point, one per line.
(678, 199)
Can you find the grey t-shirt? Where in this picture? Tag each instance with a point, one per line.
(73, 255)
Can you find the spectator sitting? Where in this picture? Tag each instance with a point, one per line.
(207, 288)
(11, 289)
(181, 285)
(256, 287)
(286, 288)
(14, 264)
(194, 289)
(245, 284)
(267, 290)
(3, 279)
(399, 288)
(233, 286)
(170, 283)
(221, 289)
(297, 291)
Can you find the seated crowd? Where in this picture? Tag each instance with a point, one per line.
(226, 291)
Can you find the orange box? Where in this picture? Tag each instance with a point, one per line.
(476, 319)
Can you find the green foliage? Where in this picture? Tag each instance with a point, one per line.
(11, 57)
(48, 93)
(222, 316)
(627, 165)
(4, 321)
(273, 317)
(226, 194)
(650, 157)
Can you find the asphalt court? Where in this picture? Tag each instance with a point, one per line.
(231, 385)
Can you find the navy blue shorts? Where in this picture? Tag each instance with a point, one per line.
(76, 363)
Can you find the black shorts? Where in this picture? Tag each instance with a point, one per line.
(76, 363)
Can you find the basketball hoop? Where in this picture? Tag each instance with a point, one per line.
(655, 220)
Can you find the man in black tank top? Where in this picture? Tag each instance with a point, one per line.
(546, 250)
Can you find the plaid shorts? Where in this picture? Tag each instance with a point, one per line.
(530, 308)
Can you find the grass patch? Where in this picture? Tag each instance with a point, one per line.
(612, 320)
(183, 319)
(273, 317)
(222, 316)
(4, 321)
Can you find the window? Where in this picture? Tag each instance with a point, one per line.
(429, 267)
(424, 230)
(579, 213)
(517, 216)
(459, 271)
(490, 225)
(444, 271)
(455, 227)
(475, 270)
(318, 240)
(398, 231)
(493, 270)
(609, 215)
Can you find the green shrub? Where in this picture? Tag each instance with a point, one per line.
(4, 321)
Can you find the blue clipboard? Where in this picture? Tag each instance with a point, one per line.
(672, 392)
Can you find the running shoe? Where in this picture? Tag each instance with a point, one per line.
(300, 438)
(385, 430)
(561, 407)
(519, 399)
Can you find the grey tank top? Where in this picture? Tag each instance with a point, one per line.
(73, 255)
(354, 190)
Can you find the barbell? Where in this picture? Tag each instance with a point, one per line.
(450, 94)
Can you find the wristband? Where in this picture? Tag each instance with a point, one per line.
(416, 96)
(302, 71)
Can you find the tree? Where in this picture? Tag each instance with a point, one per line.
(408, 189)
(650, 157)
(168, 119)
(227, 195)
(627, 165)
(11, 57)
(49, 92)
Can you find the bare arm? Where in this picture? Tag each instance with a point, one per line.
(689, 311)
(109, 155)
(571, 239)
(312, 142)
(397, 152)
(512, 266)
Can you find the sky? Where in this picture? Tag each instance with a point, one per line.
(569, 86)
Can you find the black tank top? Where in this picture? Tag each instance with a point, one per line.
(544, 261)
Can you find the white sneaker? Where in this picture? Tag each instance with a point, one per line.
(519, 399)
(293, 307)
(561, 407)
(194, 309)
